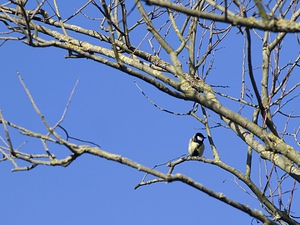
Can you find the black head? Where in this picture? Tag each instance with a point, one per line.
(199, 138)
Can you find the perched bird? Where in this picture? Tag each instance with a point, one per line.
(196, 146)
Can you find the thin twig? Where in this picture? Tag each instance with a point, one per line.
(67, 105)
(162, 109)
(12, 152)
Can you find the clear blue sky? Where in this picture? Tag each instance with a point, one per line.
(109, 110)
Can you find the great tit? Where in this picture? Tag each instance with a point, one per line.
(196, 146)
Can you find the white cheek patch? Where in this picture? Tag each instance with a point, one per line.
(199, 138)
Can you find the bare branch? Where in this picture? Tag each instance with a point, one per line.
(186, 49)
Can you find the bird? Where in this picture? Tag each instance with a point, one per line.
(196, 145)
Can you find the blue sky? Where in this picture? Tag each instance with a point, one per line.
(108, 109)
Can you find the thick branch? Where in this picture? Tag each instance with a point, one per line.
(275, 25)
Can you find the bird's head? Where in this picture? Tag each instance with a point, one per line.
(198, 137)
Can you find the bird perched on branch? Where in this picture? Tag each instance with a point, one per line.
(196, 145)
